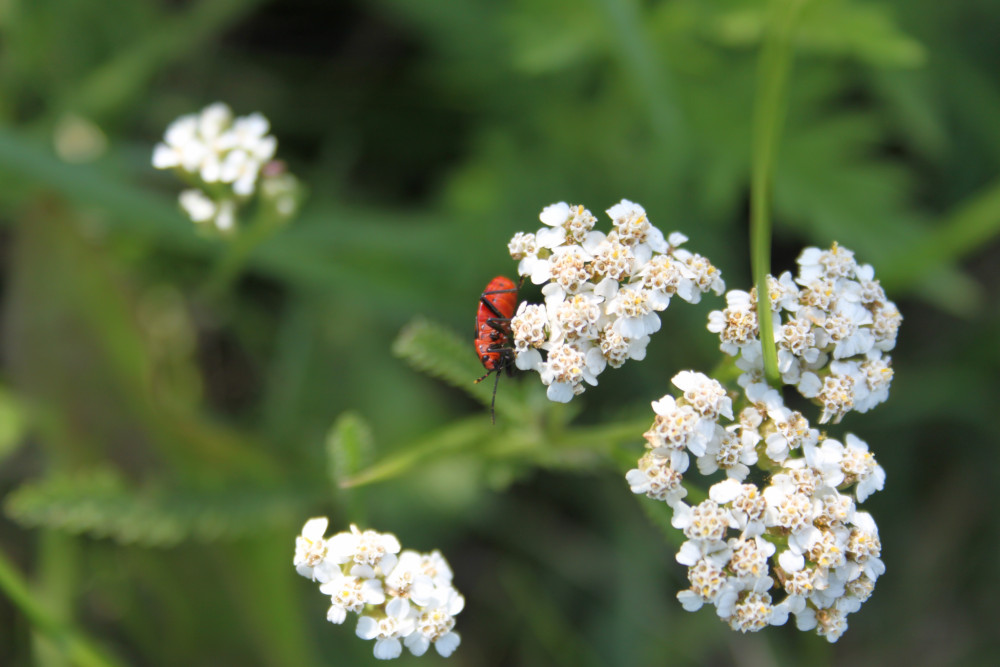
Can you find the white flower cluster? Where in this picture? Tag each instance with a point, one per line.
(401, 598)
(800, 538)
(833, 326)
(603, 292)
(223, 156)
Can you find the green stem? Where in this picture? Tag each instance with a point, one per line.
(236, 254)
(770, 105)
(55, 578)
(74, 645)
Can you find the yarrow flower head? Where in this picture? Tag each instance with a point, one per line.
(603, 292)
(227, 160)
(403, 598)
(796, 545)
(834, 327)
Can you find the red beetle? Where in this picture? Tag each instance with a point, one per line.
(497, 304)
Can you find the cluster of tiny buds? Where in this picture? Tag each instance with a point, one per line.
(225, 159)
(602, 292)
(801, 537)
(402, 598)
(833, 329)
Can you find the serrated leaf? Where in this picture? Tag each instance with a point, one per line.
(349, 447)
(439, 352)
(100, 503)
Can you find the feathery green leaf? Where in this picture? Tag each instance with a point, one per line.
(100, 503)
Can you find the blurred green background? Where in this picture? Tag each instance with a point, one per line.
(161, 449)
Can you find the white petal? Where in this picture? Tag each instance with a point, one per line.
(447, 644)
(779, 615)
(806, 619)
(315, 528)
(560, 392)
(725, 491)
(165, 157)
(550, 237)
(244, 185)
(592, 241)
(211, 169)
(644, 252)
(637, 348)
(388, 649)
(456, 603)
(213, 118)
(540, 269)
(554, 215)
(607, 288)
(676, 238)
(417, 643)
(790, 561)
(689, 554)
(341, 547)
(810, 385)
(665, 406)
(367, 627)
(225, 219)
(371, 592)
(652, 324)
(529, 360)
(336, 614)
(388, 561)
(655, 240)
(264, 149)
(690, 600)
(182, 130)
(198, 207)
(398, 607)
(630, 327)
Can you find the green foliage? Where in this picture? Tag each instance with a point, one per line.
(863, 30)
(100, 503)
(350, 447)
(435, 350)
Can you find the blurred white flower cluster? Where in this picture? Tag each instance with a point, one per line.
(797, 545)
(603, 292)
(833, 329)
(402, 598)
(225, 159)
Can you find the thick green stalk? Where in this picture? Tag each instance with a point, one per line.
(770, 104)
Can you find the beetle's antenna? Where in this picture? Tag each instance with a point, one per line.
(493, 402)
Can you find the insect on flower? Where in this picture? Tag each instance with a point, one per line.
(496, 307)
